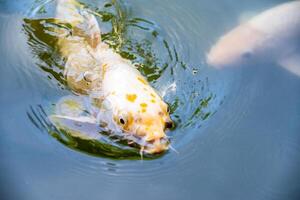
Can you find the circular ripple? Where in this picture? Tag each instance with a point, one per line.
(196, 91)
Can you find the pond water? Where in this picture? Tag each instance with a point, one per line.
(237, 133)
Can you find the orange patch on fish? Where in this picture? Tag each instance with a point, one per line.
(148, 122)
(142, 80)
(131, 97)
(130, 121)
(144, 110)
(152, 95)
(144, 105)
(104, 68)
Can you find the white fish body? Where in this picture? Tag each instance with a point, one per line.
(119, 94)
(270, 37)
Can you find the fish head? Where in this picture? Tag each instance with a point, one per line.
(145, 123)
(142, 115)
(236, 48)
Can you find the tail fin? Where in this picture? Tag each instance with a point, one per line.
(72, 12)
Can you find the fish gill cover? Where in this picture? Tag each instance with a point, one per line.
(135, 39)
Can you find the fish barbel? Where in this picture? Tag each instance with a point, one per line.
(124, 99)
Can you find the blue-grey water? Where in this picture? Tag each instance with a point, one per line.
(248, 148)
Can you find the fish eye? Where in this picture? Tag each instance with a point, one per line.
(247, 54)
(122, 121)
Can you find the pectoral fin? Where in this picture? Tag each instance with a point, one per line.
(292, 63)
(83, 127)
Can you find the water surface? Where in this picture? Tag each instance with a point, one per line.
(247, 148)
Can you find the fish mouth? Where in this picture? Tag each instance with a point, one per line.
(156, 146)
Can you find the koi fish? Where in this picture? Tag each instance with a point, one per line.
(119, 97)
(270, 37)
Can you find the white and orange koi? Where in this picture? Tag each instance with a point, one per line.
(271, 37)
(119, 96)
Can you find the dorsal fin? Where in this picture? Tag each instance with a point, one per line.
(84, 24)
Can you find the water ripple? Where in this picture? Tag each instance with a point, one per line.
(195, 92)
